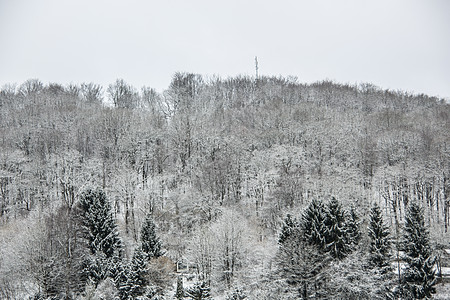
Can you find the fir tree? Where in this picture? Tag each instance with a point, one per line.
(122, 280)
(419, 277)
(180, 290)
(337, 234)
(289, 229)
(354, 232)
(312, 224)
(237, 294)
(138, 277)
(132, 279)
(151, 244)
(379, 239)
(95, 268)
(300, 263)
(199, 292)
(98, 223)
(99, 230)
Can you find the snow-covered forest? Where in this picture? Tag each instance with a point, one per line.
(223, 188)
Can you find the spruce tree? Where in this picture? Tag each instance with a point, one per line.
(300, 263)
(419, 277)
(337, 234)
(99, 231)
(180, 290)
(289, 229)
(138, 277)
(151, 244)
(379, 239)
(199, 292)
(312, 224)
(122, 280)
(237, 294)
(95, 268)
(354, 232)
(330, 228)
(98, 223)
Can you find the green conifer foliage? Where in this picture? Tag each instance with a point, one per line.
(99, 230)
(180, 290)
(151, 244)
(199, 292)
(312, 224)
(99, 224)
(300, 263)
(353, 227)
(419, 277)
(132, 279)
(122, 280)
(330, 228)
(237, 294)
(379, 239)
(138, 277)
(96, 268)
(290, 226)
(337, 234)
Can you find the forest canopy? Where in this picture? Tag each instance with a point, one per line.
(212, 166)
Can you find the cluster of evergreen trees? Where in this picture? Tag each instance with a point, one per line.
(104, 256)
(327, 233)
(323, 233)
(132, 278)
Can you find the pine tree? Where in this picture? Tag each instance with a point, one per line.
(199, 292)
(312, 224)
(289, 228)
(180, 290)
(151, 244)
(337, 234)
(419, 277)
(379, 239)
(98, 223)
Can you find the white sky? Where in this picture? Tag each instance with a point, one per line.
(401, 44)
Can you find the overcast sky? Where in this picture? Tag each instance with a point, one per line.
(401, 44)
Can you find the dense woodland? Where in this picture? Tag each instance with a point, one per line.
(236, 188)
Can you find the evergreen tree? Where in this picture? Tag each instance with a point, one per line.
(337, 234)
(199, 292)
(353, 227)
(180, 290)
(98, 223)
(289, 228)
(379, 239)
(99, 230)
(237, 294)
(138, 277)
(312, 223)
(132, 279)
(151, 244)
(301, 263)
(96, 268)
(419, 277)
(122, 280)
